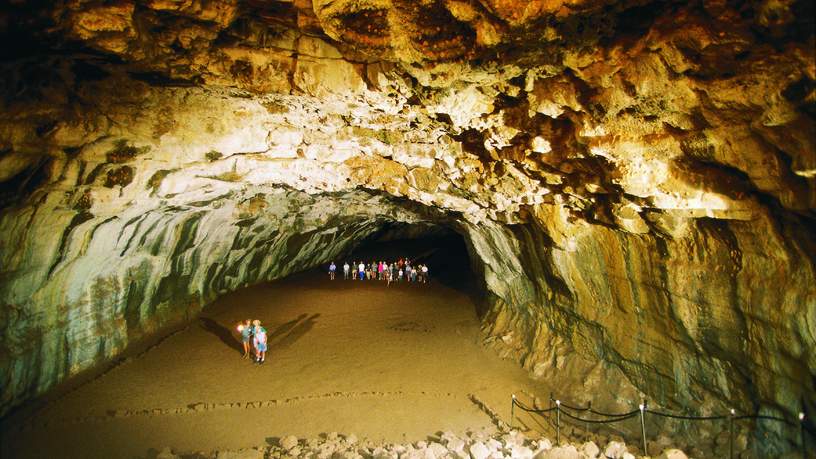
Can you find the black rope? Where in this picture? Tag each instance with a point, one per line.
(572, 407)
(598, 413)
(532, 410)
(612, 415)
(624, 416)
(690, 418)
(602, 421)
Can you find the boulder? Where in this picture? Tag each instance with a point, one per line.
(672, 453)
(478, 450)
(560, 452)
(590, 450)
(615, 450)
(288, 442)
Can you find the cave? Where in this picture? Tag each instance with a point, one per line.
(616, 201)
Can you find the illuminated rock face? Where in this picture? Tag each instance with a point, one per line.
(635, 180)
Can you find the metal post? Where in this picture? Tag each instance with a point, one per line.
(802, 434)
(512, 410)
(731, 434)
(558, 422)
(642, 407)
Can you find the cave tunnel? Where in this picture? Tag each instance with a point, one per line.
(615, 201)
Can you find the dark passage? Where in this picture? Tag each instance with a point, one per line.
(441, 249)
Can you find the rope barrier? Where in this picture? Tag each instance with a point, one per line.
(598, 413)
(533, 410)
(602, 421)
(572, 407)
(688, 418)
(611, 415)
(564, 408)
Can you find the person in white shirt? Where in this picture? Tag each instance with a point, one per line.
(361, 270)
(346, 268)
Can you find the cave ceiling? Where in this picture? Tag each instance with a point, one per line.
(634, 114)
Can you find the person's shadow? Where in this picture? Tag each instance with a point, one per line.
(302, 325)
(223, 333)
(283, 329)
(286, 334)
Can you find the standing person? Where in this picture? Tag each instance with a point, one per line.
(425, 274)
(413, 274)
(408, 272)
(393, 272)
(332, 269)
(361, 270)
(388, 276)
(346, 268)
(380, 270)
(246, 335)
(260, 342)
(399, 278)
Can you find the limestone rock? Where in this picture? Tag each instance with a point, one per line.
(560, 452)
(590, 450)
(615, 450)
(478, 450)
(288, 442)
(672, 454)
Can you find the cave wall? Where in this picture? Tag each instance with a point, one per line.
(635, 180)
(149, 205)
(681, 318)
(126, 277)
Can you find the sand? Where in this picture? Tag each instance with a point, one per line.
(388, 364)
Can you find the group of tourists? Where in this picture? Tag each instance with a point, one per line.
(399, 271)
(253, 336)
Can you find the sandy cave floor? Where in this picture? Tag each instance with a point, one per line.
(390, 364)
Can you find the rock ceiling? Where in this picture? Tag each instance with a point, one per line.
(623, 112)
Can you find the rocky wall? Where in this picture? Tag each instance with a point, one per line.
(121, 278)
(680, 321)
(151, 204)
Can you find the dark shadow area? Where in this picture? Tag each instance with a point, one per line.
(288, 333)
(223, 333)
(273, 441)
(441, 249)
(285, 328)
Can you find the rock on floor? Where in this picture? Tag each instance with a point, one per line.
(446, 445)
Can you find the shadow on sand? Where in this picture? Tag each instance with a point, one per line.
(286, 334)
(223, 333)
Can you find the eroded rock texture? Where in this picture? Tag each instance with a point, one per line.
(635, 179)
